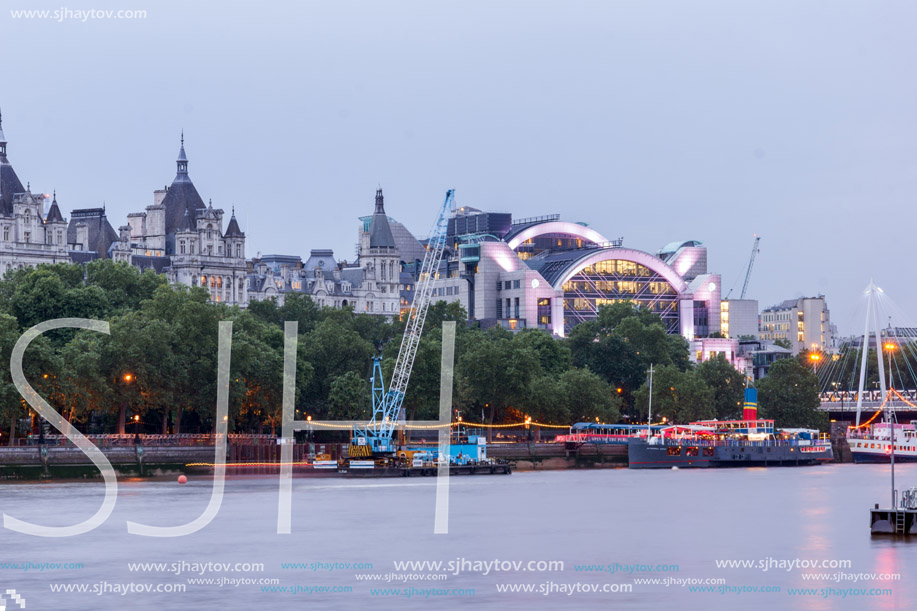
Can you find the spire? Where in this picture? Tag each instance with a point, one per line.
(182, 159)
(2, 140)
(54, 214)
(380, 233)
(380, 207)
(232, 230)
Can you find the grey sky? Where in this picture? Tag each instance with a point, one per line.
(656, 121)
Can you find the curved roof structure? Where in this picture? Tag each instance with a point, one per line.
(673, 247)
(517, 237)
(558, 268)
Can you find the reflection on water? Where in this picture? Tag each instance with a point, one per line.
(689, 518)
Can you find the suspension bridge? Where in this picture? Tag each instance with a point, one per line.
(874, 373)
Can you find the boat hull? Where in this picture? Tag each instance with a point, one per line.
(642, 455)
(864, 457)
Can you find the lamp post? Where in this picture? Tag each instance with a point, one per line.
(890, 348)
(815, 357)
(137, 429)
(127, 378)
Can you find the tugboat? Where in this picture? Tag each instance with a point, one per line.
(750, 442)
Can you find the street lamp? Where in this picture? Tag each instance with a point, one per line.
(815, 357)
(137, 429)
(890, 348)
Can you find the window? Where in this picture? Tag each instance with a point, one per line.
(6, 236)
(516, 304)
(238, 251)
(517, 284)
(499, 308)
(506, 285)
(27, 236)
(508, 307)
(181, 247)
(60, 237)
(544, 311)
(499, 284)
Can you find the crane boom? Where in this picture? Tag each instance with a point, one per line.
(387, 404)
(751, 264)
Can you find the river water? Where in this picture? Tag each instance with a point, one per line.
(681, 521)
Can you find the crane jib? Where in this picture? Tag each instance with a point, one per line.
(387, 405)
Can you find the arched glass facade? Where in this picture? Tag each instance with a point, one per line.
(615, 280)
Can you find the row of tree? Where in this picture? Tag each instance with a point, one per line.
(159, 361)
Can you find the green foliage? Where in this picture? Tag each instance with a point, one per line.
(165, 338)
(789, 395)
(679, 396)
(620, 345)
(348, 398)
(727, 384)
(588, 397)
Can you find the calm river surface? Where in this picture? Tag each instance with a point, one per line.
(687, 518)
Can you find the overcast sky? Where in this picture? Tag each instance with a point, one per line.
(656, 121)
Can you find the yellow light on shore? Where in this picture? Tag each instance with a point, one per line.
(128, 377)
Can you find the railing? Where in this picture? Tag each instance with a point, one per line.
(846, 400)
(734, 443)
(114, 440)
(536, 219)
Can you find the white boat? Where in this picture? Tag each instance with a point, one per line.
(873, 443)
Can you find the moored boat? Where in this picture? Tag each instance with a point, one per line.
(873, 443)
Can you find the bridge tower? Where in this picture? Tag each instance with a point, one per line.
(872, 316)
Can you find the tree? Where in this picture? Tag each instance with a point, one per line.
(727, 385)
(789, 395)
(333, 348)
(588, 397)
(783, 343)
(679, 396)
(348, 398)
(553, 356)
(547, 402)
(494, 373)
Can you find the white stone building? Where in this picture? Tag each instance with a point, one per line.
(28, 234)
(184, 238)
(371, 285)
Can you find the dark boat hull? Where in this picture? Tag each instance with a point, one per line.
(883, 458)
(642, 455)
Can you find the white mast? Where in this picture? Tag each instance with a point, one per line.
(649, 416)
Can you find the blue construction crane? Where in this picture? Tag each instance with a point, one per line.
(376, 438)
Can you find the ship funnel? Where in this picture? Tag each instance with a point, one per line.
(751, 404)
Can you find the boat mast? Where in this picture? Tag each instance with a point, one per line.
(649, 417)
